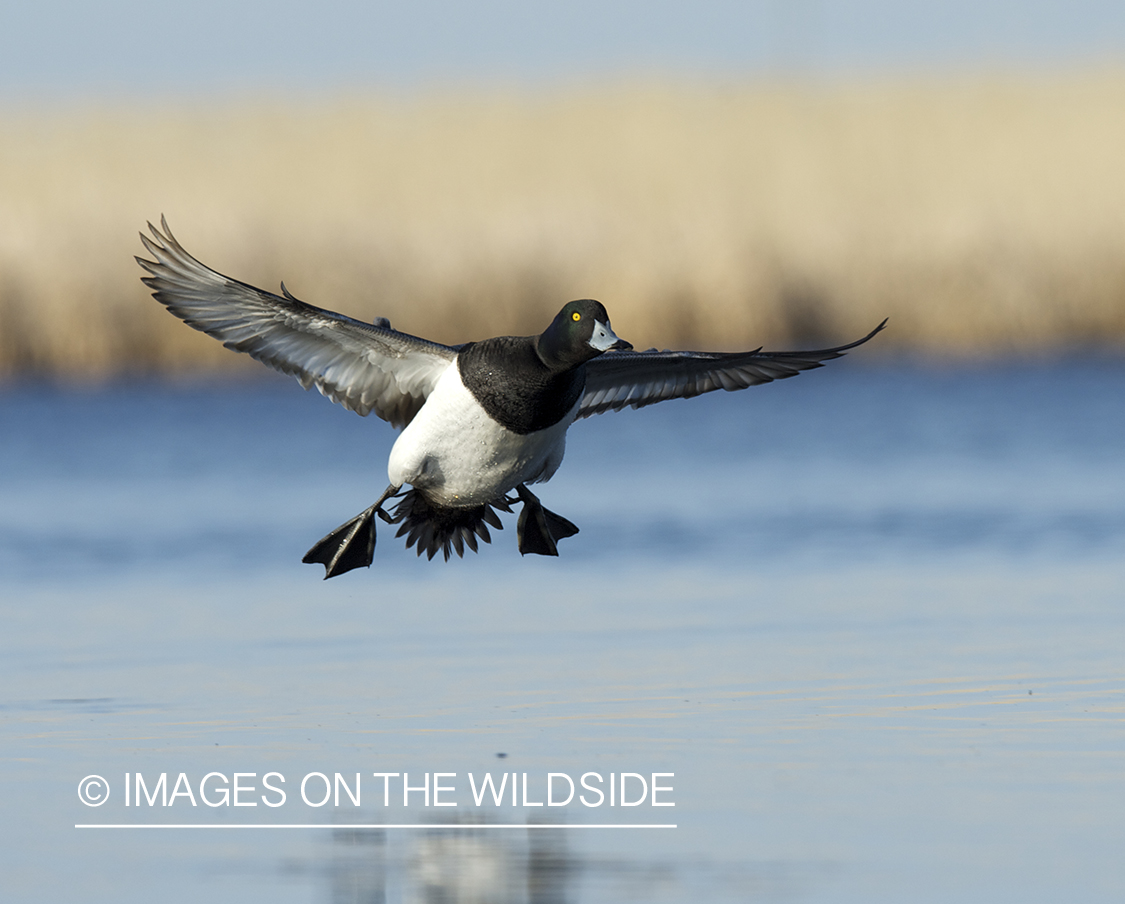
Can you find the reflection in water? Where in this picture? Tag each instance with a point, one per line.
(449, 866)
(548, 867)
(470, 868)
(357, 869)
(533, 866)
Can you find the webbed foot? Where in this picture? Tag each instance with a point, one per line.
(538, 528)
(352, 544)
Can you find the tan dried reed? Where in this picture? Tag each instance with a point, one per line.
(982, 215)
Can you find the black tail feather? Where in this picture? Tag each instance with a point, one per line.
(430, 528)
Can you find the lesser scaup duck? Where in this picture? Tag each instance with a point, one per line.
(479, 420)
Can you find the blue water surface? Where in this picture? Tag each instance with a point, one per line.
(871, 619)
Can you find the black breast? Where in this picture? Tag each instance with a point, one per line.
(515, 387)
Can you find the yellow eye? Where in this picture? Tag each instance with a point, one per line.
(575, 316)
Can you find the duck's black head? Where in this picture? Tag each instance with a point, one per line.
(579, 332)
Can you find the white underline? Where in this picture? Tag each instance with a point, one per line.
(377, 825)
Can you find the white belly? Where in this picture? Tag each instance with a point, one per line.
(459, 456)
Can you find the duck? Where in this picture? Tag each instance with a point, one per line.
(479, 421)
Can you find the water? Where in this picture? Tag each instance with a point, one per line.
(870, 619)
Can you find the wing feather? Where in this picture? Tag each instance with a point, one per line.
(620, 379)
(365, 367)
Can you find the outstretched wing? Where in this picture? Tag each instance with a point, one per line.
(365, 367)
(621, 378)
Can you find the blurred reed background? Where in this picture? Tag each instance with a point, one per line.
(983, 215)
